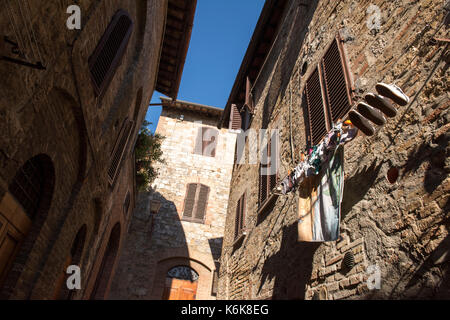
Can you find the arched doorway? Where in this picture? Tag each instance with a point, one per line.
(61, 291)
(181, 284)
(23, 210)
(104, 274)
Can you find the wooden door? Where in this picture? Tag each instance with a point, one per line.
(14, 226)
(177, 289)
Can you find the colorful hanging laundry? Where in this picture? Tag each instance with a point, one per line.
(319, 155)
(320, 211)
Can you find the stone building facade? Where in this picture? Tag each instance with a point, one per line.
(394, 214)
(71, 105)
(186, 233)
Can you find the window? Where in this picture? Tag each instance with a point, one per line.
(195, 202)
(119, 150)
(235, 118)
(206, 142)
(240, 216)
(108, 54)
(268, 176)
(27, 186)
(328, 93)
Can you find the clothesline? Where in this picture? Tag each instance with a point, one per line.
(311, 163)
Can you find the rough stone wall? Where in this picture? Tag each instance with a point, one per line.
(157, 243)
(402, 228)
(55, 112)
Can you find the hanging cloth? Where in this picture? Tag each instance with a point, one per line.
(320, 205)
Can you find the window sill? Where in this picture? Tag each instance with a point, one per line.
(265, 204)
(193, 220)
(240, 237)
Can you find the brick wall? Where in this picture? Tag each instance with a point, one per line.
(55, 112)
(402, 228)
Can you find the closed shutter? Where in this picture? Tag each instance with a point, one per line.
(108, 54)
(316, 111)
(237, 219)
(189, 202)
(201, 202)
(336, 87)
(119, 150)
(268, 181)
(240, 216)
(196, 202)
(235, 118)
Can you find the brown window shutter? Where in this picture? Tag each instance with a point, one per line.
(108, 54)
(237, 219)
(272, 179)
(248, 95)
(336, 84)
(315, 105)
(202, 202)
(189, 201)
(243, 207)
(235, 118)
(262, 185)
(118, 152)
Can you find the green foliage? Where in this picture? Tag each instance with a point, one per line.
(147, 152)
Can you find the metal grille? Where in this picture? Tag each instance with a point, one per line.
(108, 53)
(316, 113)
(119, 150)
(335, 83)
(27, 186)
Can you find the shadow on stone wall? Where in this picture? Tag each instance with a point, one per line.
(148, 235)
(435, 153)
(356, 186)
(285, 266)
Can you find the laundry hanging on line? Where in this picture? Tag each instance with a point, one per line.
(312, 163)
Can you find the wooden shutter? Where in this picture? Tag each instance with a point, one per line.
(315, 105)
(328, 92)
(336, 87)
(240, 216)
(196, 202)
(119, 150)
(235, 118)
(267, 182)
(202, 202)
(189, 201)
(108, 54)
(248, 95)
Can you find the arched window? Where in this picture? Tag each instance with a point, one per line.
(74, 258)
(109, 258)
(108, 54)
(195, 202)
(181, 284)
(23, 210)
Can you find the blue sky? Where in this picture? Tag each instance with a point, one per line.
(221, 34)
